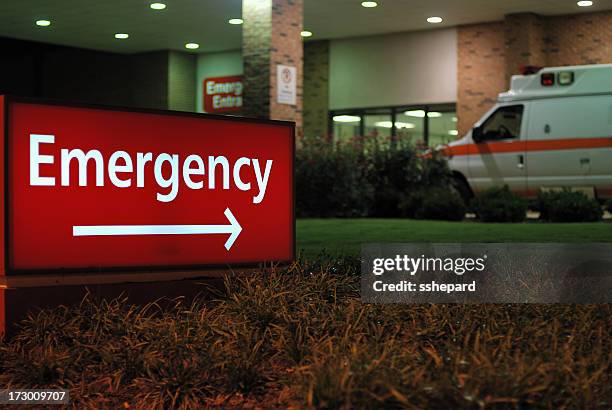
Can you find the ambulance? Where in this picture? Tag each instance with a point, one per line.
(551, 130)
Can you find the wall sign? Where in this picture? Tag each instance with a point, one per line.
(98, 188)
(223, 94)
(286, 84)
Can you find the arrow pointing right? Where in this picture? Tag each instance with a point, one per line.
(234, 229)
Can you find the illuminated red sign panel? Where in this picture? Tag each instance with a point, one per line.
(99, 188)
(223, 94)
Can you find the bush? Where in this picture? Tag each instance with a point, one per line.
(362, 178)
(439, 203)
(609, 205)
(331, 182)
(393, 173)
(499, 204)
(568, 206)
(442, 204)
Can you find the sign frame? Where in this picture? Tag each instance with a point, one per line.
(7, 271)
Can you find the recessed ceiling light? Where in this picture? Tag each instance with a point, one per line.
(158, 6)
(192, 46)
(434, 20)
(346, 118)
(306, 33)
(389, 124)
(121, 36)
(400, 125)
(415, 113)
(585, 3)
(421, 114)
(453, 132)
(43, 23)
(235, 21)
(369, 4)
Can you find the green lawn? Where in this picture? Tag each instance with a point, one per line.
(346, 235)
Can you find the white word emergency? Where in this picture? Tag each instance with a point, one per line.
(125, 170)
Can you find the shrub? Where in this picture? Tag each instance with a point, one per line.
(362, 178)
(568, 206)
(331, 182)
(609, 205)
(434, 171)
(392, 174)
(439, 203)
(397, 173)
(499, 204)
(443, 204)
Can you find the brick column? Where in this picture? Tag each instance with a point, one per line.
(271, 37)
(525, 35)
(316, 89)
(481, 70)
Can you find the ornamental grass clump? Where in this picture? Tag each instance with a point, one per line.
(300, 337)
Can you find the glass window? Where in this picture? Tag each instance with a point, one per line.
(416, 125)
(409, 124)
(504, 123)
(346, 127)
(378, 125)
(442, 127)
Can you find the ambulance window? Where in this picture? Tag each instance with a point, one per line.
(505, 123)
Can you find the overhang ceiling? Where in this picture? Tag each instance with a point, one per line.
(92, 24)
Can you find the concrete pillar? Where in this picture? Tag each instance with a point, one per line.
(163, 80)
(182, 81)
(271, 37)
(525, 42)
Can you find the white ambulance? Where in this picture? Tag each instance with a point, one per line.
(552, 129)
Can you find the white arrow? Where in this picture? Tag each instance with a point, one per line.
(233, 229)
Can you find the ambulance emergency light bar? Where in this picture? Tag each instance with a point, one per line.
(562, 78)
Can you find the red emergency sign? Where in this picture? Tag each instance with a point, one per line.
(223, 94)
(99, 188)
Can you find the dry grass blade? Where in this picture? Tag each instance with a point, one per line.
(299, 337)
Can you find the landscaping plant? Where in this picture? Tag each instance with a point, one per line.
(609, 205)
(299, 337)
(437, 203)
(331, 181)
(499, 204)
(568, 206)
(364, 177)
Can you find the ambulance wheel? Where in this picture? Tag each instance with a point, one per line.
(463, 189)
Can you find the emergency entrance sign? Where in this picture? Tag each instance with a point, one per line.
(98, 188)
(223, 94)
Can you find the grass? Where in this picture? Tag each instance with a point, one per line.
(345, 236)
(301, 338)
